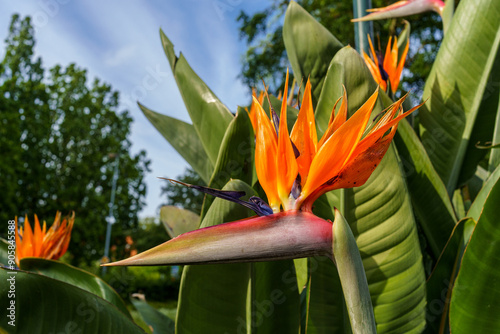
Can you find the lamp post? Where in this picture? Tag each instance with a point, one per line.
(110, 219)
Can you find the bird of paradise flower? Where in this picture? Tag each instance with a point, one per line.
(294, 170)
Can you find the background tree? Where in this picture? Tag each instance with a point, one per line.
(59, 134)
(266, 58)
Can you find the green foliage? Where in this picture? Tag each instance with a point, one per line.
(461, 101)
(266, 57)
(59, 132)
(45, 305)
(74, 276)
(159, 322)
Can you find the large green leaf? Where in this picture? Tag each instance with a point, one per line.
(309, 46)
(215, 296)
(45, 305)
(209, 116)
(443, 276)
(326, 313)
(484, 126)
(236, 156)
(474, 301)
(183, 138)
(177, 220)
(380, 215)
(429, 197)
(456, 87)
(275, 301)
(159, 322)
(478, 204)
(74, 276)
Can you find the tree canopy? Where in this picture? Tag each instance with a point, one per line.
(60, 136)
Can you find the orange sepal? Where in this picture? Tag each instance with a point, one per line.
(337, 150)
(304, 134)
(399, 70)
(266, 149)
(336, 121)
(286, 162)
(37, 238)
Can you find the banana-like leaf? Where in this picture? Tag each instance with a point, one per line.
(74, 276)
(209, 116)
(478, 204)
(182, 136)
(275, 300)
(447, 15)
(444, 274)
(403, 38)
(309, 45)
(236, 156)
(457, 86)
(380, 214)
(159, 322)
(484, 126)
(474, 301)
(45, 305)
(325, 311)
(430, 199)
(352, 276)
(178, 221)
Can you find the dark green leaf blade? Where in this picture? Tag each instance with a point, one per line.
(74, 276)
(430, 199)
(45, 305)
(477, 206)
(444, 274)
(474, 301)
(154, 318)
(177, 220)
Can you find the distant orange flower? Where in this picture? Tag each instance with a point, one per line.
(387, 69)
(294, 170)
(43, 243)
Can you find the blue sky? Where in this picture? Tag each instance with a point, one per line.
(119, 43)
